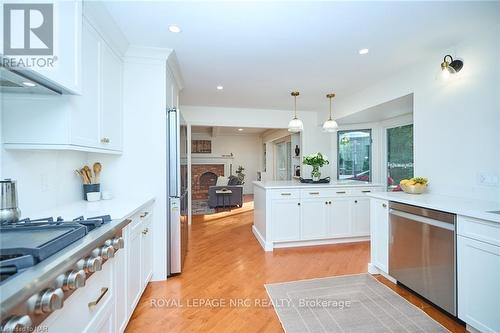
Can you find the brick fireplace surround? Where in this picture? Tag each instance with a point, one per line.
(203, 176)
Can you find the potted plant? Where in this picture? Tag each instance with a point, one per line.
(316, 161)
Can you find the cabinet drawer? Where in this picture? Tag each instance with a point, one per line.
(316, 193)
(364, 191)
(284, 194)
(76, 312)
(482, 230)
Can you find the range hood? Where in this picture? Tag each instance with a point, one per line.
(25, 82)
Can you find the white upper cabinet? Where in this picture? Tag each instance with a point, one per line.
(62, 68)
(67, 46)
(90, 122)
(110, 136)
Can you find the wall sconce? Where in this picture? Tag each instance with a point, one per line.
(450, 66)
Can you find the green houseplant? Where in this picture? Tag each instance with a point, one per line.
(317, 161)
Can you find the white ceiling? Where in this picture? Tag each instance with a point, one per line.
(221, 130)
(260, 51)
(391, 109)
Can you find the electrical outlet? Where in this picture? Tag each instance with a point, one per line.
(488, 178)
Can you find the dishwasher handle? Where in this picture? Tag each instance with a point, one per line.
(422, 219)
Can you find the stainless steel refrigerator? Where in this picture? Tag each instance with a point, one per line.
(177, 196)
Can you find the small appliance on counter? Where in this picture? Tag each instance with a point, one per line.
(9, 211)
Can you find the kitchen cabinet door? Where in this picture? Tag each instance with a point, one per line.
(120, 283)
(67, 69)
(313, 218)
(478, 273)
(286, 220)
(360, 216)
(379, 231)
(134, 277)
(110, 136)
(339, 218)
(85, 117)
(146, 251)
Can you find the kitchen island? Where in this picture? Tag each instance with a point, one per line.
(290, 213)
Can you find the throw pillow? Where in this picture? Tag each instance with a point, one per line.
(222, 181)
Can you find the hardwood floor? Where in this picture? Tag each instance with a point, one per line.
(226, 264)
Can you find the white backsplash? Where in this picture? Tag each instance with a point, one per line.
(45, 179)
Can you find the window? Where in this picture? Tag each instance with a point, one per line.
(354, 155)
(399, 155)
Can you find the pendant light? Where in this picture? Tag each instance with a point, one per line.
(330, 125)
(295, 125)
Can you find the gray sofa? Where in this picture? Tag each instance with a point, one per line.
(228, 200)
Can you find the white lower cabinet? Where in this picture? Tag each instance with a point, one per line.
(478, 272)
(379, 231)
(360, 208)
(286, 220)
(134, 283)
(339, 217)
(314, 219)
(318, 214)
(146, 252)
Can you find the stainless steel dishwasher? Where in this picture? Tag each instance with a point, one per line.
(422, 253)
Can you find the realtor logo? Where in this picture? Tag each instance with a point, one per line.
(28, 29)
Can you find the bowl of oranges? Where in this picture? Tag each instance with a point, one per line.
(416, 185)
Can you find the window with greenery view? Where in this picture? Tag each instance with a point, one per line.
(399, 155)
(354, 155)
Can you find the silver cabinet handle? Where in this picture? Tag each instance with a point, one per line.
(105, 140)
(313, 193)
(341, 192)
(145, 231)
(366, 191)
(94, 303)
(384, 205)
(144, 215)
(286, 193)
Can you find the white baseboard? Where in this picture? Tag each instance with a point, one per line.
(266, 246)
(372, 269)
(321, 242)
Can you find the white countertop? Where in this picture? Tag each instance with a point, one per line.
(460, 206)
(277, 184)
(118, 208)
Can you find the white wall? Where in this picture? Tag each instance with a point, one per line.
(247, 150)
(457, 122)
(141, 169)
(313, 139)
(45, 179)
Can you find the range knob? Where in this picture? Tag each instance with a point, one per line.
(117, 243)
(105, 251)
(49, 300)
(90, 264)
(72, 280)
(17, 324)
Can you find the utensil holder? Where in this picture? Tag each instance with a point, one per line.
(90, 188)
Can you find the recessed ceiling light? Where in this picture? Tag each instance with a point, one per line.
(174, 28)
(363, 51)
(220, 87)
(29, 84)
(240, 129)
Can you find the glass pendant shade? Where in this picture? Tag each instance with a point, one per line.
(295, 125)
(330, 125)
